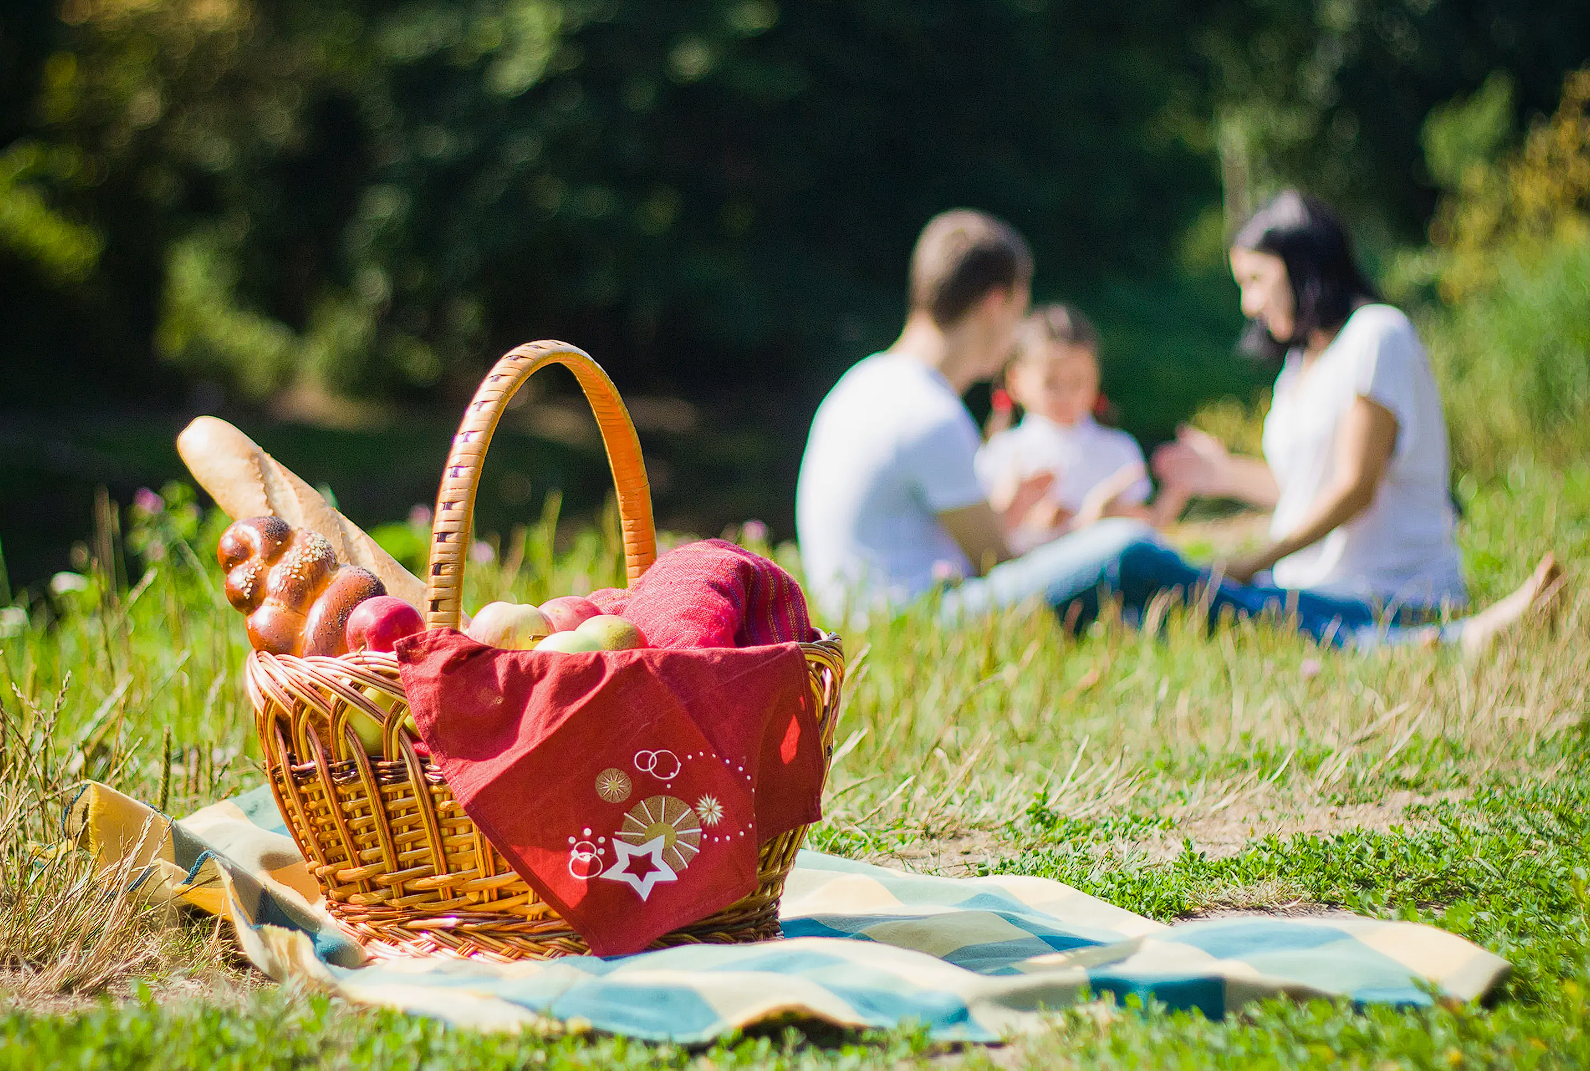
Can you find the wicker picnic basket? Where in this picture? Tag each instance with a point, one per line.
(401, 864)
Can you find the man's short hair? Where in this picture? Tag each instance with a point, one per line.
(960, 257)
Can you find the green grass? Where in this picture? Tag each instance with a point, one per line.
(279, 1031)
(1171, 775)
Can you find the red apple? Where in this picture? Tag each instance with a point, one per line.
(567, 611)
(378, 623)
(612, 633)
(511, 626)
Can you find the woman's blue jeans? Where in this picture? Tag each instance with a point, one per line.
(1124, 558)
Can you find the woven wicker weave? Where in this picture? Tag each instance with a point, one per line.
(401, 864)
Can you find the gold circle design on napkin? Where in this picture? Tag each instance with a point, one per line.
(669, 818)
(613, 785)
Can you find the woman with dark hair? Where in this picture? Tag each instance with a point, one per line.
(1360, 549)
(1355, 445)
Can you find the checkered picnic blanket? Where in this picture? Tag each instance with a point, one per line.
(971, 959)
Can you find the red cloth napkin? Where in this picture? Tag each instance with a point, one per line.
(712, 593)
(631, 789)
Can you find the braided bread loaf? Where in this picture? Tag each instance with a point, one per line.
(288, 582)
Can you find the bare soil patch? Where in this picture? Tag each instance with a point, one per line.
(1227, 831)
(957, 856)
(1217, 834)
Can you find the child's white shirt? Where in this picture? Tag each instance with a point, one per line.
(1081, 456)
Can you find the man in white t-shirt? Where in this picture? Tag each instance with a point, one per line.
(888, 502)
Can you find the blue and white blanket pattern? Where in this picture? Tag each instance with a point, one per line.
(968, 959)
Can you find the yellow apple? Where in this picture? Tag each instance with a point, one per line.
(511, 626)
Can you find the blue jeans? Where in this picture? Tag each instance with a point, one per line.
(1124, 558)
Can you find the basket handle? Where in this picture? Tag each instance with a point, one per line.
(455, 501)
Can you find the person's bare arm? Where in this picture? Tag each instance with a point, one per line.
(1156, 514)
(1364, 443)
(1164, 510)
(1105, 500)
(983, 529)
(1250, 480)
(1197, 464)
(980, 533)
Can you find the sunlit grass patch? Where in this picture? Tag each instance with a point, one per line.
(67, 924)
(1171, 772)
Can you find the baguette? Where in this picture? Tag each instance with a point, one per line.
(245, 482)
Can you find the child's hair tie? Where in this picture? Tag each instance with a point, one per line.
(1101, 406)
(1001, 400)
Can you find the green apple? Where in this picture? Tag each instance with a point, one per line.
(612, 633)
(569, 642)
(509, 625)
(366, 728)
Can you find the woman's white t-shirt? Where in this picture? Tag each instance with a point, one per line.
(1401, 549)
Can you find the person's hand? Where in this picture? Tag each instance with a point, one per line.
(1030, 492)
(1047, 516)
(1195, 463)
(1015, 499)
(1107, 492)
(1244, 567)
(1046, 522)
(1168, 505)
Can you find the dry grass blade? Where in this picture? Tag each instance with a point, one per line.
(70, 926)
(66, 923)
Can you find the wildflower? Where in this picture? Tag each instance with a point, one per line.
(148, 502)
(13, 621)
(63, 582)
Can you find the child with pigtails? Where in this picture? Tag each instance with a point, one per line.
(1098, 471)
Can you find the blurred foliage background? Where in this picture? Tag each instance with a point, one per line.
(324, 220)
